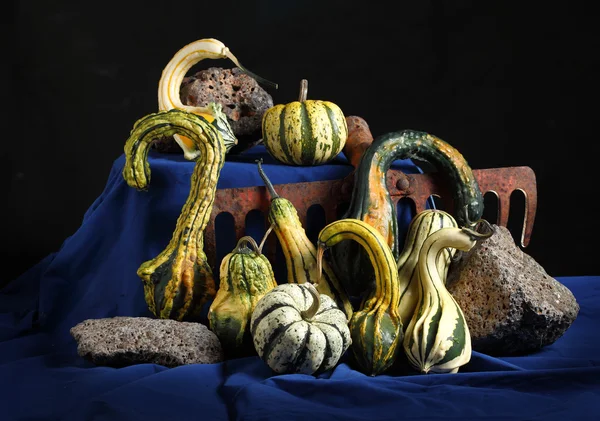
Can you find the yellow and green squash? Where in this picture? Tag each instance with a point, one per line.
(376, 328)
(179, 281)
(421, 227)
(304, 132)
(300, 253)
(437, 339)
(371, 201)
(246, 276)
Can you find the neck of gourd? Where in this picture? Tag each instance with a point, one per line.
(433, 246)
(383, 262)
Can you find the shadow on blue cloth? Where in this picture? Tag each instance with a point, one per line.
(93, 275)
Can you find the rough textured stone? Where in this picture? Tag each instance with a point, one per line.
(244, 102)
(511, 304)
(123, 341)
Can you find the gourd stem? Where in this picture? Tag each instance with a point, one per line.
(262, 243)
(248, 72)
(303, 90)
(241, 245)
(475, 234)
(268, 184)
(316, 303)
(320, 252)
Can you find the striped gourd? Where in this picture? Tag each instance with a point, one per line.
(422, 226)
(437, 339)
(297, 330)
(170, 85)
(376, 329)
(246, 276)
(304, 132)
(371, 201)
(179, 280)
(300, 253)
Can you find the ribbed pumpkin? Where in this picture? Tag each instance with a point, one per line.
(304, 132)
(246, 276)
(297, 330)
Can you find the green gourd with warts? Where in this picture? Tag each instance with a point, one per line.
(179, 281)
(371, 201)
(246, 276)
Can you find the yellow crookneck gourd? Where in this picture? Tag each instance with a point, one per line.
(437, 339)
(170, 84)
(246, 276)
(179, 280)
(376, 328)
(300, 253)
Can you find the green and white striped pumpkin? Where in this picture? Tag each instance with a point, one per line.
(297, 330)
(437, 339)
(304, 132)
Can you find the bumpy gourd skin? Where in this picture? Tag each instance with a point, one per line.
(371, 201)
(246, 276)
(376, 328)
(179, 280)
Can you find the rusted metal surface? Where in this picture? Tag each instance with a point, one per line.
(330, 195)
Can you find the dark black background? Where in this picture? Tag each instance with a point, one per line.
(507, 84)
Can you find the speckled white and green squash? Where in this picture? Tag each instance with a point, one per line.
(297, 330)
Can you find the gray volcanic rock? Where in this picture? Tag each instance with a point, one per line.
(244, 103)
(123, 341)
(512, 306)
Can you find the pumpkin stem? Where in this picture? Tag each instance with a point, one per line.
(303, 90)
(242, 247)
(259, 79)
(268, 184)
(262, 243)
(310, 312)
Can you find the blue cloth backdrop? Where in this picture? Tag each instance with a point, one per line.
(93, 275)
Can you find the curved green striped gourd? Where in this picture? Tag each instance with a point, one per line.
(297, 330)
(421, 227)
(376, 329)
(304, 132)
(437, 338)
(300, 253)
(179, 280)
(246, 276)
(371, 201)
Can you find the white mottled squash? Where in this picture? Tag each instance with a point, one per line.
(297, 330)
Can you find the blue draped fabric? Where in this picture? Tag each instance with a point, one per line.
(93, 275)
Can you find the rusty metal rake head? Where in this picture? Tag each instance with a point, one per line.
(334, 194)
